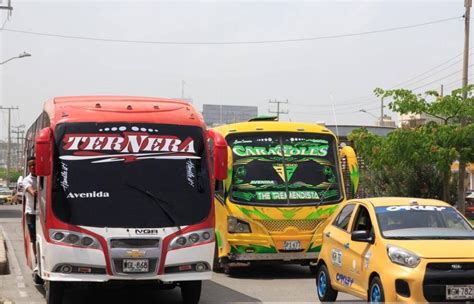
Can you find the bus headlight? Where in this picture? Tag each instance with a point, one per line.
(191, 239)
(235, 225)
(403, 257)
(66, 237)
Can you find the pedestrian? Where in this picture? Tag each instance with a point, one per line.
(30, 193)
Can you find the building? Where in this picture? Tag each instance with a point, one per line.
(411, 120)
(343, 130)
(215, 115)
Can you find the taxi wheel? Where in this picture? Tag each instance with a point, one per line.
(376, 294)
(323, 285)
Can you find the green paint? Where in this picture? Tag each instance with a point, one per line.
(218, 238)
(243, 195)
(354, 176)
(314, 249)
(289, 213)
(255, 211)
(242, 249)
(320, 213)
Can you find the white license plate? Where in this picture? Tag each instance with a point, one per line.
(459, 292)
(130, 265)
(291, 245)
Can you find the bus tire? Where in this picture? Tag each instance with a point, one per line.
(191, 291)
(217, 265)
(54, 292)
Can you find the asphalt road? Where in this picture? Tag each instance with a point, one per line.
(269, 283)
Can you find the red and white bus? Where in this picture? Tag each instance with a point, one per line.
(125, 193)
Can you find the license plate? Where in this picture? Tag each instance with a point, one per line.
(459, 292)
(135, 265)
(291, 245)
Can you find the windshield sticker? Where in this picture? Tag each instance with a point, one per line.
(419, 208)
(64, 170)
(336, 257)
(190, 173)
(93, 194)
(310, 149)
(344, 280)
(290, 169)
(127, 144)
(281, 195)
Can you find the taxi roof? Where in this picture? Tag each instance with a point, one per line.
(401, 201)
(272, 126)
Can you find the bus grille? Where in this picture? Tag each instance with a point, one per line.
(282, 225)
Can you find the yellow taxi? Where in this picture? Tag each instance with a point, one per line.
(397, 249)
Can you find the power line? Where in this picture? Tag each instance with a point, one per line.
(434, 81)
(233, 42)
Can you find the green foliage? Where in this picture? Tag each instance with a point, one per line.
(13, 174)
(416, 162)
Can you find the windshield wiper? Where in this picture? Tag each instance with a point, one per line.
(159, 202)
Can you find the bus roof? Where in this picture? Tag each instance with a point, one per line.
(271, 126)
(122, 108)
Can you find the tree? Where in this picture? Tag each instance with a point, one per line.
(417, 161)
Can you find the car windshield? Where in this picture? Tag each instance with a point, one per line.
(284, 169)
(422, 222)
(130, 175)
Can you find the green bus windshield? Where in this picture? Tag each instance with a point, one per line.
(284, 169)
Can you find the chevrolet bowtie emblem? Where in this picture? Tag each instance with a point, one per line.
(135, 253)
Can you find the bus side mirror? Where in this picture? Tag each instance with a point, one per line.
(220, 155)
(44, 152)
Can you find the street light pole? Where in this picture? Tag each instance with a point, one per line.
(22, 55)
(366, 112)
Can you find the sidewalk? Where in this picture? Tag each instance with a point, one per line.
(16, 287)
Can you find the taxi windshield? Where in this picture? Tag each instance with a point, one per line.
(422, 222)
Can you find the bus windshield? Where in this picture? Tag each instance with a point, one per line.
(130, 175)
(284, 169)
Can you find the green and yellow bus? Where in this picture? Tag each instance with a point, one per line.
(285, 180)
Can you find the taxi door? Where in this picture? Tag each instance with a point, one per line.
(336, 238)
(357, 253)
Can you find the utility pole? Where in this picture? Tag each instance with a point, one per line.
(381, 112)
(9, 140)
(18, 131)
(465, 73)
(441, 91)
(278, 108)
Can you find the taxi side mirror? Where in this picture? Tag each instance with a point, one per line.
(362, 236)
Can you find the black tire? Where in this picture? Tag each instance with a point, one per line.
(323, 285)
(376, 293)
(217, 265)
(191, 291)
(54, 292)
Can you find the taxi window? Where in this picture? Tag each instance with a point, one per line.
(342, 220)
(362, 220)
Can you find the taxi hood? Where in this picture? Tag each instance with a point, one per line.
(438, 249)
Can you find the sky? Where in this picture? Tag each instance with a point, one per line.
(323, 80)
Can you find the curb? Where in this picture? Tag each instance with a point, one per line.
(3, 257)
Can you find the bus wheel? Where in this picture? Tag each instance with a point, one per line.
(217, 265)
(313, 269)
(191, 291)
(54, 292)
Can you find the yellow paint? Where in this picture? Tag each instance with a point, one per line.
(266, 222)
(373, 259)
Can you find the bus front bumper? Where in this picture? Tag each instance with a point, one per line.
(281, 256)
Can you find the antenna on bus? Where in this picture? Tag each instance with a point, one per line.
(334, 113)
